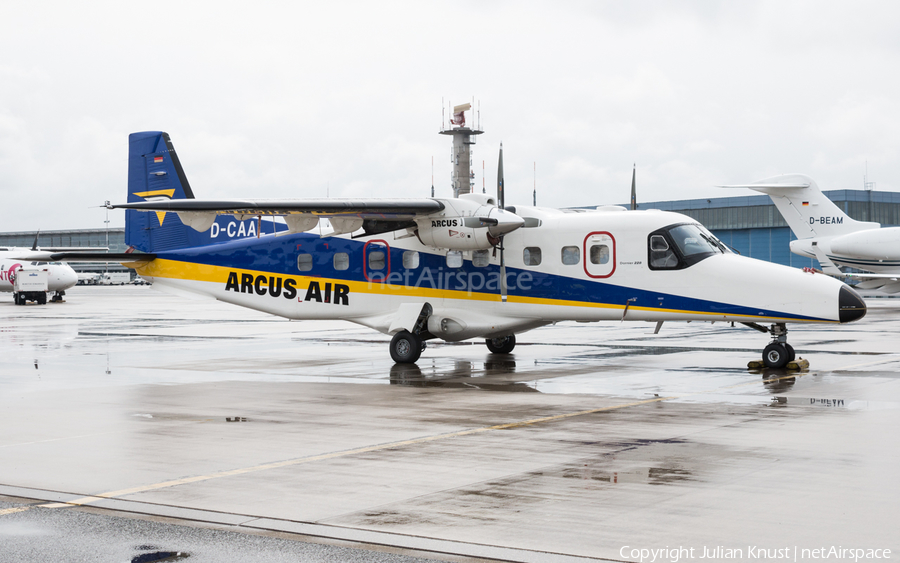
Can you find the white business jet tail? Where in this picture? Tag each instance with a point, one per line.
(805, 208)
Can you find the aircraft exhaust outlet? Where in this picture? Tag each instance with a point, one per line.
(851, 306)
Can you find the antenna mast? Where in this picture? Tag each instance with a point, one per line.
(462, 177)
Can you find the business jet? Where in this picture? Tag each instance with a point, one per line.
(829, 235)
(460, 268)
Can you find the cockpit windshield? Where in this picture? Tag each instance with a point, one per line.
(680, 246)
(691, 240)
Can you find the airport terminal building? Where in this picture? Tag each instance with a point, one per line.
(750, 224)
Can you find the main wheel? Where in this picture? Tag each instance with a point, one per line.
(405, 347)
(775, 355)
(502, 345)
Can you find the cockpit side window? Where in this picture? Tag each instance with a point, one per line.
(662, 257)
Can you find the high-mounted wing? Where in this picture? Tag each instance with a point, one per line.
(346, 215)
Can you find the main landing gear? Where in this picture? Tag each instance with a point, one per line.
(406, 347)
(502, 345)
(778, 353)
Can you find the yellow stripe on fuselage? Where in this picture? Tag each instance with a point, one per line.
(182, 270)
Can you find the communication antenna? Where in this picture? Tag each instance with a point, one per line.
(534, 194)
(432, 175)
(482, 178)
(634, 204)
(867, 185)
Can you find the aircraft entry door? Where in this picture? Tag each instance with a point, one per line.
(377, 261)
(599, 254)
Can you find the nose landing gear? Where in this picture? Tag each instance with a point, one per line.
(778, 353)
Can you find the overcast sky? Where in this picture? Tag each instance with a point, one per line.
(292, 99)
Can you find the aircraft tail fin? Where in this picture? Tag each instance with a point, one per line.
(805, 208)
(155, 173)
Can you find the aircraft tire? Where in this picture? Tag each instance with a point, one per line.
(405, 347)
(503, 345)
(791, 354)
(775, 356)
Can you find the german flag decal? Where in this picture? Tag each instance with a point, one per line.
(157, 159)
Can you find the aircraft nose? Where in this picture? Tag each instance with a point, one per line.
(851, 307)
(71, 276)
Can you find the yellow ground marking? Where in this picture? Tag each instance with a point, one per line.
(892, 358)
(14, 510)
(368, 449)
(309, 459)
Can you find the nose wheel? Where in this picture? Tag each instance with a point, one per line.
(778, 353)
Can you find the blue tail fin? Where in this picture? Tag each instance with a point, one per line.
(154, 172)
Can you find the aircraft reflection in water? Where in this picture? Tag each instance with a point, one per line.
(463, 375)
(460, 268)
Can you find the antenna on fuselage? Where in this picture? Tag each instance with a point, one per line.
(634, 204)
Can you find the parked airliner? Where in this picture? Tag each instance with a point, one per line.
(460, 268)
(829, 235)
(60, 276)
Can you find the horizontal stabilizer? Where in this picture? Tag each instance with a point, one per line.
(789, 186)
(100, 257)
(384, 209)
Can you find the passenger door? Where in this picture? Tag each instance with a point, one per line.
(599, 254)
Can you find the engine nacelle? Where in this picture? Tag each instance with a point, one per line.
(873, 244)
(451, 233)
(467, 224)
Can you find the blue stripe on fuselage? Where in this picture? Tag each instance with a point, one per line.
(279, 256)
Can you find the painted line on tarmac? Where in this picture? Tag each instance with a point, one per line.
(321, 457)
(368, 449)
(892, 358)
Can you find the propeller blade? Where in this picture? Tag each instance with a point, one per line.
(500, 181)
(500, 204)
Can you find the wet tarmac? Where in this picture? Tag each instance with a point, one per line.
(590, 441)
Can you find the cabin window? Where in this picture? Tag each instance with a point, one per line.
(376, 260)
(410, 259)
(341, 261)
(304, 262)
(571, 255)
(532, 256)
(599, 254)
(454, 259)
(481, 258)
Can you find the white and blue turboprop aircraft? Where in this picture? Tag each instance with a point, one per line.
(60, 277)
(829, 235)
(459, 268)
